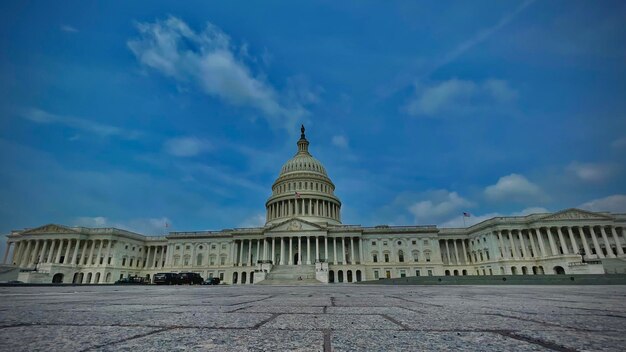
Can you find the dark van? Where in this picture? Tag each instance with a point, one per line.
(166, 278)
(190, 279)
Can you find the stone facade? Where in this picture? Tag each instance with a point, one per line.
(304, 239)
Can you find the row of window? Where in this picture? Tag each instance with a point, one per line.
(402, 273)
(415, 254)
(213, 246)
(399, 243)
(298, 186)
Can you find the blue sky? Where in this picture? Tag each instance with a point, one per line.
(136, 114)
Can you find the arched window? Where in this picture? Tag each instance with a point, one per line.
(416, 256)
(375, 257)
(212, 260)
(199, 259)
(401, 256)
(386, 257)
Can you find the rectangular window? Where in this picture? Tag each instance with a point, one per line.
(386, 257)
(101, 260)
(384, 243)
(123, 261)
(375, 258)
(109, 261)
(222, 260)
(373, 243)
(430, 273)
(376, 274)
(402, 273)
(221, 276)
(223, 246)
(131, 262)
(414, 242)
(213, 246)
(187, 247)
(425, 242)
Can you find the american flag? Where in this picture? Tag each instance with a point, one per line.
(467, 215)
(297, 195)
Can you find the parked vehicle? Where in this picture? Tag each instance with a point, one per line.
(131, 280)
(166, 278)
(190, 279)
(212, 281)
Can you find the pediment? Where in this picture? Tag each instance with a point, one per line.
(294, 225)
(576, 214)
(50, 228)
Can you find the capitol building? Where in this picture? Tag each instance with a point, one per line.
(304, 239)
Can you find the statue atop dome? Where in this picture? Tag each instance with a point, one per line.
(302, 132)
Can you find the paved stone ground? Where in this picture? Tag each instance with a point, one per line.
(313, 318)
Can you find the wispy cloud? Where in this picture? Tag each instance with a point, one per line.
(43, 117)
(438, 206)
(458, 96)
(340, 141)
(68, 29)
(461, 221)
(145, 226)
(514, 187)
(615, 203)
(209, 60)
(591, 172)
(186, 146)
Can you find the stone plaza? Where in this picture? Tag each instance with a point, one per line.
(340, 317)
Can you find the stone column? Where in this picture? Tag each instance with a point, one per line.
(553, 248)
(326, 257)
(607, 244)
(240, 261)
(290, 250)
(456, 253)
(334, 250)
(66, 258)
(361, 250)
(109, 254)
(596, 245)
(343, 250)
(282, 251)
(512, 242)
(249, 255)
(618, 245)
(532, 244)
(6, 253)
(520, 236)
(273, 250)
(308, 249)
(33, 258)
(57, 258)
(93, 248)
(573, 240)
(503, 252)
(16, 253)
(53, 244)
(299, 250)
(562, 240)
(447, 252)
(464, 251)
(352, 258)
(258, 249)
(99, 255)
(76, 248)
(542, 244)
(42, 257)
(317, 249)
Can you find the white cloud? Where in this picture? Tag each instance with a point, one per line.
(145, 226)
(257, 220)
(619, 143)
(439, 206)
(514, 187)
(186, 146)
(210, 61)
(591, 172)
(68, 29)
(44, 117)
(340, 141)
(458, 96)
(615, 203)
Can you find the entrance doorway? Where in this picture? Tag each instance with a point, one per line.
(295, 259)
(57, 278)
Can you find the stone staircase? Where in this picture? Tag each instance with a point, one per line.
(291, 275)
